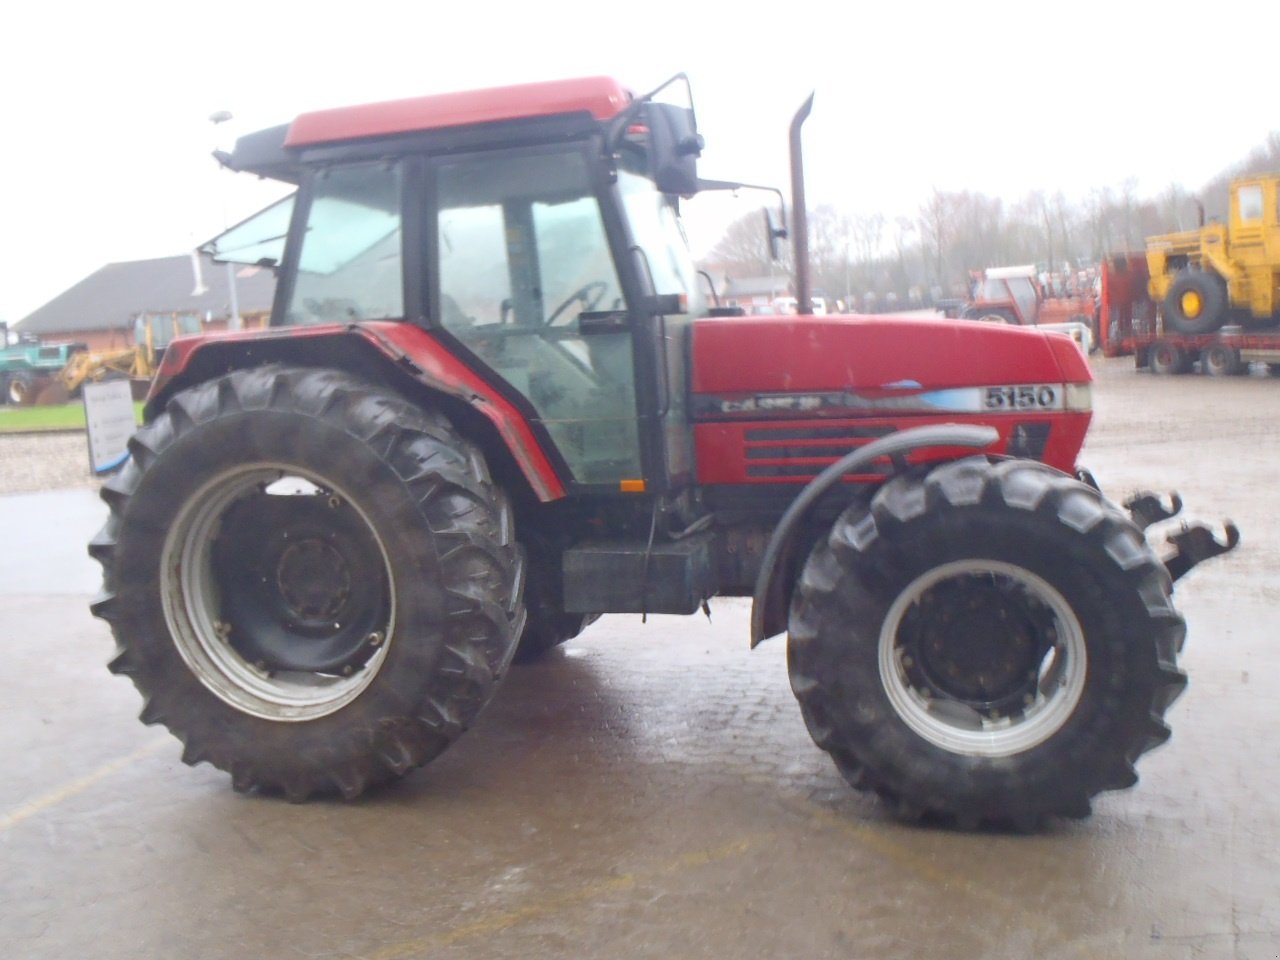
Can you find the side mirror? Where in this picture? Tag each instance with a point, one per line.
(674, 147)
(773, 234)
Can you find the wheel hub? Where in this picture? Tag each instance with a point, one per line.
(314, 581)
(974, 640)
(301, 583)
(982, 658)
(1192, 304)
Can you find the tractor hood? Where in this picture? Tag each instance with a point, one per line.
(778, 399)
(872, 358)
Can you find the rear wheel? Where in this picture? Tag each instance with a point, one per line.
(1196, 303)
(1167, 358)
(1219, 360)
(988, 643)
(312, 583)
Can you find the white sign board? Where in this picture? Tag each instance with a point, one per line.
(108, 415)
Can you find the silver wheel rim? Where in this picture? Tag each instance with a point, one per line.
(953, 725)
(190, 598)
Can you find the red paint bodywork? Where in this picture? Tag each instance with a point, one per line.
(603, 98)
(878, 358)
(1128, 314)
(427, 360)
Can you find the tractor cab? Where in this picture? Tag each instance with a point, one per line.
(546, 252)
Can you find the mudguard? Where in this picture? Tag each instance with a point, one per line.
(411, 350)
(768, 608)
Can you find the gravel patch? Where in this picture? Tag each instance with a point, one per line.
(30, 462)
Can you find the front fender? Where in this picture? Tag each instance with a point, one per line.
(771, 597)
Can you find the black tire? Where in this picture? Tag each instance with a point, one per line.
(547, 625)
(1220, 360)
(546, 629)
(1196, 303)
(308, 644)
(21, 389)
(1081, 674)
(1166, 359)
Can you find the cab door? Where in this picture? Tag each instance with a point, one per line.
(526, 283)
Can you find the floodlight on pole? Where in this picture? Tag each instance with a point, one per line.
(233, 321)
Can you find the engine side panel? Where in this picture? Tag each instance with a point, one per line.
(776, 400)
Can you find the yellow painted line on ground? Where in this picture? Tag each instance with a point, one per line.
(76, 787)
(497, 922)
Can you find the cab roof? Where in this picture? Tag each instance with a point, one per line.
(601, 97)
(274, 152)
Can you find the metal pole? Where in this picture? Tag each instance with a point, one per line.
(233, 320)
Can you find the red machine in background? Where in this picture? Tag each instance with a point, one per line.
(1014, 295)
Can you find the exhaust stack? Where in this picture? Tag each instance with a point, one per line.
(799, 216)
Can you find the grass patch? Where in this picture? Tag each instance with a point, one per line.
(66, 416)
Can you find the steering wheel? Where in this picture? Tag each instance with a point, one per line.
(589, 295)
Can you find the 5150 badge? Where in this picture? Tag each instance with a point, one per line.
(1039, 396)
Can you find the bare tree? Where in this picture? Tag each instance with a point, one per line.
(744, 248)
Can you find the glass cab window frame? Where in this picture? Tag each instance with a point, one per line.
(371, 239)
(554, 332)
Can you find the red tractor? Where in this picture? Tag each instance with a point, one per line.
(1012, 295)
(493, 404)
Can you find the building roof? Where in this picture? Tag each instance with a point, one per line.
(111, 297)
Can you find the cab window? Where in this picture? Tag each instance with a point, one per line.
(349, 268)
(1250, 201)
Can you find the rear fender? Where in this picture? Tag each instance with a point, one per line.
(773, 593)
(405, 358)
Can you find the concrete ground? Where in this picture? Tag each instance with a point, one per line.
(651, 791)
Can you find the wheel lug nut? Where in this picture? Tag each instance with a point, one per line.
(335, 502)
(375, 639)
(222, 629)
(348, 670)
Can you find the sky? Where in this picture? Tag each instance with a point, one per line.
(105, 107)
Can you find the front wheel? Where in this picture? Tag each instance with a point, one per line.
(21, 389)
(313, 584)
(986, 643)
(1196, 303)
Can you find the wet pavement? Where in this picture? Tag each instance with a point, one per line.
(651, 791)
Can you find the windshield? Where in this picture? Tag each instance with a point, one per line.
(258, 241)
(350, 264)
(657, 230)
